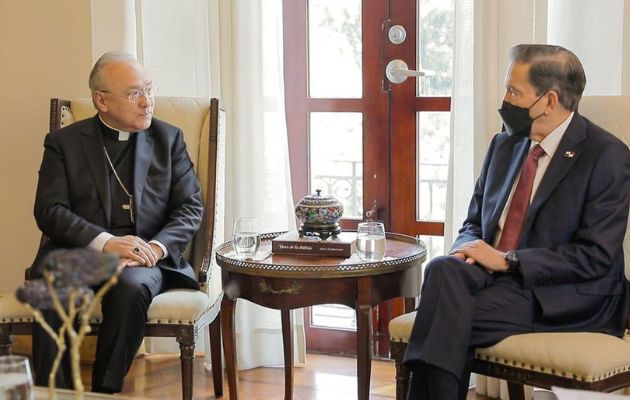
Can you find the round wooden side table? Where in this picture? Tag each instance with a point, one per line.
(286, 282)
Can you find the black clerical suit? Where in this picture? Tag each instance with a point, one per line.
(78, 197)
(571, 274)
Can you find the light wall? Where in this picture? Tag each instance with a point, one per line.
(45, 52)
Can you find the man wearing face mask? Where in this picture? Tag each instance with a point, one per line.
(541, 248)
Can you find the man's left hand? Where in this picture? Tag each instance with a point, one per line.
(485, 255)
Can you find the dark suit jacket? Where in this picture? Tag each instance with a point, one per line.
(571, 247)
(73, 205)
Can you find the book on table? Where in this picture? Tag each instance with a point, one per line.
(292, 243)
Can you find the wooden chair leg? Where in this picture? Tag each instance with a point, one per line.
(187, 354)
(402, 380)
(215, 355)
(5, 343)
(516, 391)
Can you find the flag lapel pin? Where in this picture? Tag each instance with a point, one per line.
(569, 154)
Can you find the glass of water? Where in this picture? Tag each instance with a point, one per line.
(16, 381)
(371, 241)
(246, 236)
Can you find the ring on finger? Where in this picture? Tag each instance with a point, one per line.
(136, 250)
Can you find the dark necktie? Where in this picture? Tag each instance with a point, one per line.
(520, 202)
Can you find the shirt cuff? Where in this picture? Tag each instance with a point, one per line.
(161, 246)
(99, 241)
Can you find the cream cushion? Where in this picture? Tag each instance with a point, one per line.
(600, 356)
(583, 356)
(177, 306)
(12, 310)
(400, 327)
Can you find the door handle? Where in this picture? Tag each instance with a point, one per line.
(397, 71)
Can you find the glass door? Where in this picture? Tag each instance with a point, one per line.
(375, 145)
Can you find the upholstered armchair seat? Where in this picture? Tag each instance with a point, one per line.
(582, 356)
(576, 356)
(13, 310)
(178, 306)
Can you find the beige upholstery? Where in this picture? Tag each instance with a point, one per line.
(585, 357)
(179, 313)
(12, 310)
(180, 306)
(400, 327)
(600, 356)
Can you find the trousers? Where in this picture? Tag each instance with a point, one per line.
(462, 306)
(124, 309)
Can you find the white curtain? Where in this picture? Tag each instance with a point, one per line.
(484, 32)
(231, 50)
(478, 70)
(258, 181)
(113, 26)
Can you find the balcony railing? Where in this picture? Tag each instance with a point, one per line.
(348, 188)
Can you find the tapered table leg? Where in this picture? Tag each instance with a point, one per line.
(287, 343)
(364, 338)
(229, 345)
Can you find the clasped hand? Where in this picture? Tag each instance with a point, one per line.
(483, 254)
(133, 251)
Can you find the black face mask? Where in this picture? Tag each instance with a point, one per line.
(516, 119)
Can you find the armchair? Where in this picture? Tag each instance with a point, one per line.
(581, 360)
(179, 313)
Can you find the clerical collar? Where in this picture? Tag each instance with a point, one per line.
(122, 135)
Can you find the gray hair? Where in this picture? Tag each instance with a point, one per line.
(553, 68)
(96, 81)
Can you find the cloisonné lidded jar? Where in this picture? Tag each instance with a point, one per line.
(319, 215)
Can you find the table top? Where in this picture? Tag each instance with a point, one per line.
(402, 252)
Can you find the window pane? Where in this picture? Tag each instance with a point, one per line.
(435, 47)
(334, 38)
(433, 153)
(435, 248)
(336, 158)
(334, 316)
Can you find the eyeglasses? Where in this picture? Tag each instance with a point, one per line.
(135, 94)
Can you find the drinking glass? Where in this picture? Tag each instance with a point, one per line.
(246, 236)
(371, 241)
(16, 382)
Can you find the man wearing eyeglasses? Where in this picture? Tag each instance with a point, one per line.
(119, 182)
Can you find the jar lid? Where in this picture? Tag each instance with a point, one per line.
(318, 199)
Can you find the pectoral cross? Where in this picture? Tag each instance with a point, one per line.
(129, 207)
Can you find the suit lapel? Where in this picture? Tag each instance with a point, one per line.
(568, 151)
(513, 163)
(92, 143)
(143, 156)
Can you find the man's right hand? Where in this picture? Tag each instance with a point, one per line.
(131, 248)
